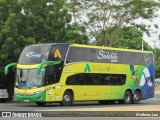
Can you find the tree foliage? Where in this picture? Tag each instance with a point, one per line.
(102, 15)
(157, 62)
(131, 38)
(24, 22)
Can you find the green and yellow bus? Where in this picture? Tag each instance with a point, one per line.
(66, 73)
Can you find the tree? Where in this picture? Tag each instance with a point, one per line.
(11, 41)
(157, 67)
(131, 38)
(157, 63)
(25, 22)
(48, 21)
(102, 15)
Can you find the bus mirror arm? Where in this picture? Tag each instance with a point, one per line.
(46, 63)
(8, 66)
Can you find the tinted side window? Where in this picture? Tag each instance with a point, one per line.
(79, 79)
(96, 79)
(119, 79)
(58, 52)
(70, 80)
(92, 79)
(106, 79)
(76, 54)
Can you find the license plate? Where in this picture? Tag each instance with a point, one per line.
(26, 100)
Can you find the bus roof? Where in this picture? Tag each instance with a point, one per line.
(92, 46)
(110, 48)
(48, 44)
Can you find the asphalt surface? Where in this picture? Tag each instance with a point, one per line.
(149, 109)
(84, 106)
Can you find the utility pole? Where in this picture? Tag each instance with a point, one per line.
(142, 45)
(159, 37)
(154, 49)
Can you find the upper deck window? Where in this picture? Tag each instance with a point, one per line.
(79, 54)
(58, 52)
(34, 54)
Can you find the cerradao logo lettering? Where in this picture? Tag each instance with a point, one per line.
(106, 55)
(87, 68)
(57, 54)
(33, 54)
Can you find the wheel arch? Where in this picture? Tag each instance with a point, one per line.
(71, 91)
(139, 90)
(130, 90)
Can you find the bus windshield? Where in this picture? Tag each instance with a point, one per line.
(34, 54)
(29, 78)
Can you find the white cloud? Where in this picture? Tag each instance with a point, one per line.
(154, 32)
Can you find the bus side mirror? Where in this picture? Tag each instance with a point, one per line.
(46, 63)
(8, 66)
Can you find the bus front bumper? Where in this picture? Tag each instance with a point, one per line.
(35, 97)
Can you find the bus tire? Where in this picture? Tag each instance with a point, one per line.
(67, 99)
(136, 97)
(41, 104)
(127, 97)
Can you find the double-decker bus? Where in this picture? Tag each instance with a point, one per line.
(66, 73)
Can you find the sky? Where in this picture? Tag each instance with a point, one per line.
(154, 32)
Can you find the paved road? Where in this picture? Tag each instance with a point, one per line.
(144, 105)
(145, 109)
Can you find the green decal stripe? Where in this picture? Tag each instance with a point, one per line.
(47, 63)
(39, 97)
(8, 66)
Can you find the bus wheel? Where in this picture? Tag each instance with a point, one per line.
(127, 97)
(136, 97)
(41, 103)
(67, 99)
